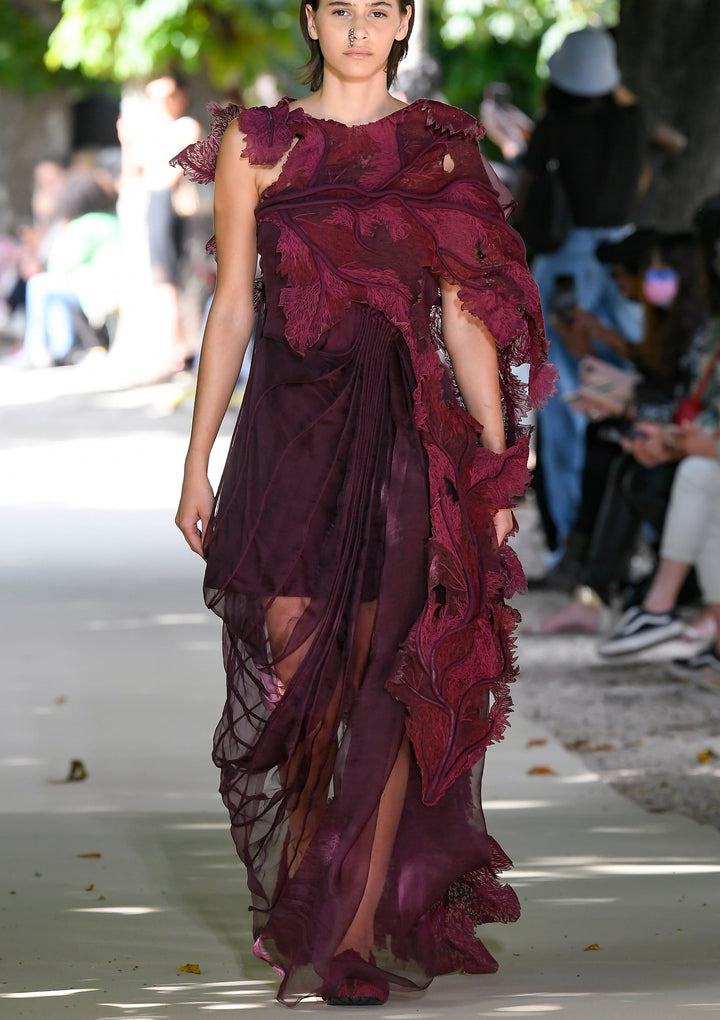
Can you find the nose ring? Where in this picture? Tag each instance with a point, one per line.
(351, 38)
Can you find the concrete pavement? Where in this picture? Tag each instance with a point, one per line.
(110, 884)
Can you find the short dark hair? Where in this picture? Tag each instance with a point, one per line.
(82, 193)
(312, 72)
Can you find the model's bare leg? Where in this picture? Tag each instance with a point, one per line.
(360, 935)
(309, 772)
(363, 641)
(307, 801)
(316, 758)
(309, 806)
(282, 614)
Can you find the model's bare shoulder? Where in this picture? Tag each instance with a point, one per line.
(235, 174)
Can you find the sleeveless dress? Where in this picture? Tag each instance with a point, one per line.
(352, 554)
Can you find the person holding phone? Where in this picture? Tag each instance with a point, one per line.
(679, 362)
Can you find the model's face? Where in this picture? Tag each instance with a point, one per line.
(376, 25)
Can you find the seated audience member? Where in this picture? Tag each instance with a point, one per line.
(691, 536)
(627, 260)
(620, 494)
(82, 273)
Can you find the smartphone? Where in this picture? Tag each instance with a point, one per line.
(616, 434)
(564, 298)
(611, 434)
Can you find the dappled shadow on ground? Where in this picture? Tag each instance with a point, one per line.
(655, 739)
(105, 936)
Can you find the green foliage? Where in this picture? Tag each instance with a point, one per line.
(23, 40)
(520, 21)
(231, 40)
(479, 41)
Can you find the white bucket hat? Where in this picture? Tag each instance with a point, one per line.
(586, 63)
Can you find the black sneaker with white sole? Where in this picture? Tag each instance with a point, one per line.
(638, 628)
(694, 665)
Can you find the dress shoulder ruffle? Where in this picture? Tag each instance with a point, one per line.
(267, 138)
(451, 120)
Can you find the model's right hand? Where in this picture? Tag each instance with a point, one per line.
(196, 504)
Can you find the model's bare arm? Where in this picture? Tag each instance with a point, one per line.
(473, 354)
(228, 329)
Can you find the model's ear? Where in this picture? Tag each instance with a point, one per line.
(310, 15)
(405, 25)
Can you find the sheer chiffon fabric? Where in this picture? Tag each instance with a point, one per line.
(352, 555)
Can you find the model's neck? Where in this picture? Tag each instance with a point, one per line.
(352, 102)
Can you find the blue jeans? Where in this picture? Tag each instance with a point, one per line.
(49, 302)
(563, 429)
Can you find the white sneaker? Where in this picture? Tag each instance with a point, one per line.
(700, 667)
(638, 629)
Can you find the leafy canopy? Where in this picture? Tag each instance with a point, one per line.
(23, 40)
(478, 41)
(232, 40)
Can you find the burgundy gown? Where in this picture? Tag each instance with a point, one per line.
(352, 555)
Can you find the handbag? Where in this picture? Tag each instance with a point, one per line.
(547, 217)
(690, 407)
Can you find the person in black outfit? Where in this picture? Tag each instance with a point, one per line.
(599, 144)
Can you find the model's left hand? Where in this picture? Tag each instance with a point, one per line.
(504, 524)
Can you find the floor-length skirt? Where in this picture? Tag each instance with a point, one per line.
(317, 563)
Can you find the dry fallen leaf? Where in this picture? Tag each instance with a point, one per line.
(190, 968)
(537, 742)
(591, 947)
(89, 888)
(99, 899)
(707, 756)
(88, 855)
(585, 745)
(541, 770)
(575, 745)
(76, 773)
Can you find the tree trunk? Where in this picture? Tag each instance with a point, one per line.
(32, 128)
(669, 57)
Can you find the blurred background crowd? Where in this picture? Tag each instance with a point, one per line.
(598, 123)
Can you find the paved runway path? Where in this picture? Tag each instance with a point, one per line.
(110, 884)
